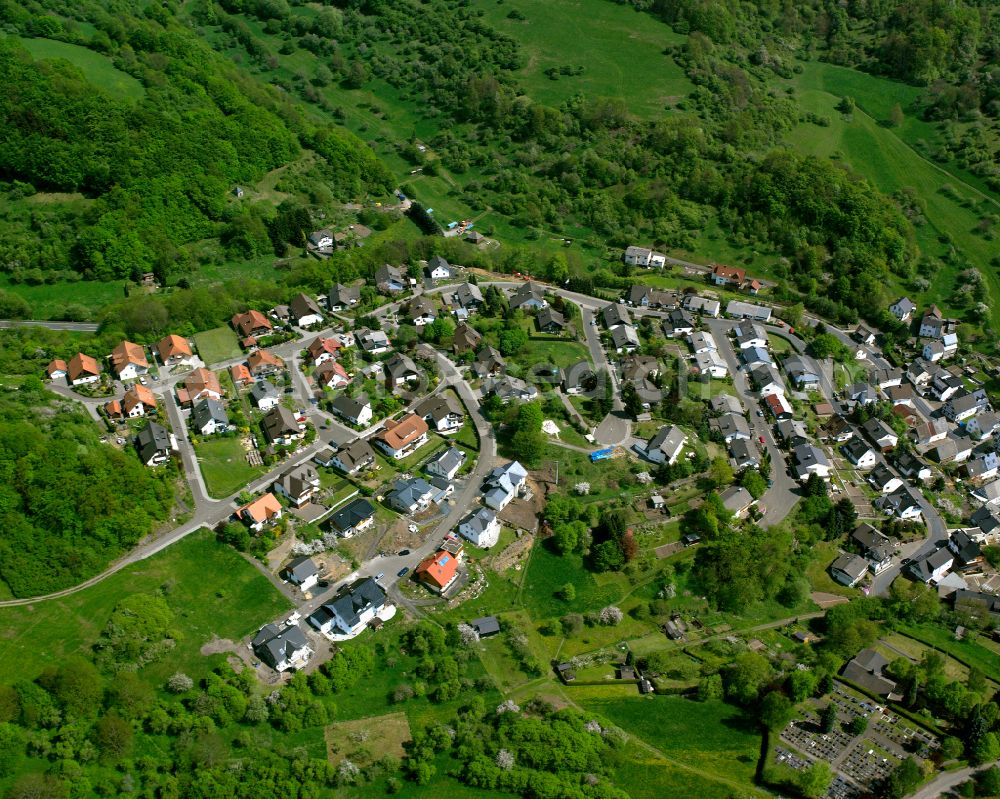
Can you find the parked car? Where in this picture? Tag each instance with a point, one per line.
(402, 572)
(413, 528)
(404, 552)
(379, 576)
(760, 439)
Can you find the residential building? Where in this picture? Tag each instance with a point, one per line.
(466, 338)
(441, 413)
(728, 276)
(987, 519)
(983, 425)
(355, 517)
(200, 384)
(928, 433)
(965, 548)
(745, 310)
(865, 671)
(357, 411)
(321, 240)
(744, 454)
(509, 389)
(912, 467)
(401, 438)
(264, 395)
(550, 320)
(262, 511)
(302, 572)
(374, 342)
(933, 566)
(391, 279)
(801, 371)
(777, 406)
(838, 429)
(83, 369)
(321, 350)
(982, 467)
(438, 572)
(481, 527)
(811, 460)
(503, 484)
(988, 493)
(262, 363)
(282, 648)
(678, 323)
(352, 458)
(174, 351)
(645, 257)
(750, 334)
(421, 311)
(616, 314)
(725, 403)
(240, 375)
(56, 370)
(400, 371)
(885, 378)
(737, 500)
(849, 569)
(666, 445)
(153, 444)
(489, 362)
(753, 357)
(860, 453)
(880, 434)
(766, 380)
(252, 324)
(933, 351)
(792, 432)
(862, 393)
(447, 463)
(343, 298)
(468, 297)
(578, 378)
(438, 268)
(882, 479)
(298, 484)
(702, 342)
(530, 296)
(352, 609)
(332, 374)
(953, 449)
(730, 427)
(944, 385)
(410, 496)
(209, 417)
(875, 546)
(966, 404)
(281, 427)
(702, 305)
(864, 335)
(624, 338)
(137, 401)
(128, 361)
(903, 309)
(647, 297)
(904, 503)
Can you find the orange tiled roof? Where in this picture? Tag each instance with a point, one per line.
(81, 364)
(252, 320)
(397, 435)
(136, 395)
(172, 346)
(261, 510)
(203, 379)
(326, 372)
(439, 569)
(322, 345)
(263, 358)
(240, 374)
(56, 365)
(729, 272)
(126, 353)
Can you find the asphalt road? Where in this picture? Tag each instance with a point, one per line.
(77, 327)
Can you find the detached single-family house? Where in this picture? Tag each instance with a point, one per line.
(792, 432)
(737, 500)
(932, 566)
(750, 334)
(811, 460)
(966, 404)
(489, 362)
(529, 296)
(903, 309)
(728, 276)
(137, 401)
(353, 458)
(332, 374)
(702, 342)
(702, 305)
(321, 350)
(550, 320)
(865, 670)
(281, 427)
(912, 467)
(441, 413)
(481, 527)
(777, 406)
(624, 338)
(753, 357)
(410, 496)
(766, 380)
(343, 298)
(401, 438)
(209, 417)
(578, 378)
(264, 395)
(982, 467)
(298, 484)
(400, 371)
(902, 503)
(744, 454)
(153, 444)
(353, 608)
(883, 480)
(988, 493)
(730, 426)
(83, 369)
(128, 361)
(390, 279)
(262, 511)
(933, 351)
(438, 572)
(678, 323)
(503, 484)
(356, 411)
(746, 310)
(447, 463)
(509, 389)
(438, 268)
(56, 370)
(953, 449)
(240, 375)
(355, 517)
(321, 240)
(860, 453)
(849, 569)
(252, 324)
(374, 342)
(875, 546)
(928, 433)
(467, 297)
(421, 311)
(983, 425)
(666, 445)
(643, 256)
(302, 572)
(966, 549)
(801, 371)
(282, 648)
(466, 338)
(880, 434)
(174, 351)
(262, 363)
(864, 335)
(616, 314)
(200, 384)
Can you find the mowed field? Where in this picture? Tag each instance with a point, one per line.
(620, 49)
(224, 465)
(211, 589)
(96, 68)
(877, 153)
(217, 345)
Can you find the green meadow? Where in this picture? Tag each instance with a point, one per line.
(96, 68)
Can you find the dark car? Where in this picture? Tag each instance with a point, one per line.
(404, 552)
(402, 572)
(323, 583)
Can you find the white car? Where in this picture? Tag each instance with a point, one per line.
(413, 528)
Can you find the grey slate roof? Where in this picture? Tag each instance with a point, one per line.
(301, 569)
(262, 390)
(151, 439)
(274, 645)
(352, 514)
(360, 597)
(207, 410)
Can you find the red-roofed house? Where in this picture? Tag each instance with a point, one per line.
(129, 361)
(438, 572)
(83, 369)
(174, 351)
(201, 384)
(56, 369)
(252, 323)
(263, 510)
(332, 375)
(778, 406)
(263, 363)
(322, 350)
(241, 375)
(728, 276)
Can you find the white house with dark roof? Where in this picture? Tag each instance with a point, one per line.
(352, 458)
(298, 484)
(355, 517)
(903, 309)
(282, 648)
(643, 256)
(351, 610)
(811, 460)
(357, 411)
(666, 445)
(302, 572)
(481, 527)
(447, 463)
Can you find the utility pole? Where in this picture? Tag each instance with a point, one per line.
(557, 473)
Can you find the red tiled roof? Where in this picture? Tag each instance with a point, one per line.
(438, 570)
(397, 435)
(137, 395)
(127, 353)
(260, 510)
(172, 346)
(56, 365)
(81, 365)
(252, 320)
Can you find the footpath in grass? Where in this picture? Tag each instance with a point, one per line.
(211, 589)
(217, 345)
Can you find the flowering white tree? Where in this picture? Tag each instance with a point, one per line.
(179, 683)
(505, 760)
(611, 616)
(468, 634)
(508, 707)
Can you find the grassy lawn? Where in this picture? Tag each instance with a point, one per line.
(224, 465)
(210, 587)
(608, 39)
(711, 737)
(217, 345)
(823, 553)
(971, 652)
(548, 351)
(547, 572)
(96, 68)
(383, 736)
(51, 300)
